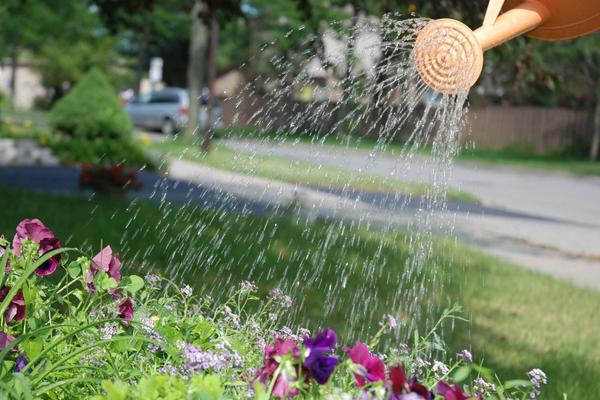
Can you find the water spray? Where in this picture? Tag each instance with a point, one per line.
(449, 55)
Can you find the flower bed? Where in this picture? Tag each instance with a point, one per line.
(109, 179)
(73, 327)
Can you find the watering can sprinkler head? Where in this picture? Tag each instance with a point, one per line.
(448, 55)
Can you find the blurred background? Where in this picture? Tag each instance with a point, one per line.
(212, 48)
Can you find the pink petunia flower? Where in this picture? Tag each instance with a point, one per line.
(451, 392)
(16, 308)
(107, 262)
(373, 369)
(5, 340)
(287, 376)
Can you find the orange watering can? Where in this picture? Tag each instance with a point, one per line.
(449, 55)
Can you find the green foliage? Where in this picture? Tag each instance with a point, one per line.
(165, 387)
(73, 339)
(92, 127)
(91, 110)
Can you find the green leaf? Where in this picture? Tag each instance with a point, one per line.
(33, 347)
(135, 284)
(116, 390)
(260, 393)
(109, 283)
(74, 269)
(203, 330)
(461, 374)
(516, 383)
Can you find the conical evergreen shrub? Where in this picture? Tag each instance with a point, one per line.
(90, 125)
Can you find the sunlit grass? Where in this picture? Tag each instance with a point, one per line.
(520, 319)
(526, 159)
(292, 171)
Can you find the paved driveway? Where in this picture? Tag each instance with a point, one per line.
(548, 222)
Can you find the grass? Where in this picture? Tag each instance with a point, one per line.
(520, 319)
(519, 159)
(292, 171)
(505, 157)
(20, 114)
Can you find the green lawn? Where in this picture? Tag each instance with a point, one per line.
(505, 157)
(520, 319)
(551, 162)
(292, 171)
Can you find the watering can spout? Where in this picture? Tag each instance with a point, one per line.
(449, 55)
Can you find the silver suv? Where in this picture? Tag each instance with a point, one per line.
(165, 110)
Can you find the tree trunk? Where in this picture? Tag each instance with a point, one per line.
(212, 77)
(14, 64)
(195, 70)
(142, 64)
(595, 147)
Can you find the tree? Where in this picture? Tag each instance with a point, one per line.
(16, 32)
(134, 16)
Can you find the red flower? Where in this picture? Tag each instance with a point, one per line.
(125, 309)
(37, 232)
(16, 308)
(85, 178)
(450, 392)
(373, 369)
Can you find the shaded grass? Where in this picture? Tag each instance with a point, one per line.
(520, 319)
(292, 171)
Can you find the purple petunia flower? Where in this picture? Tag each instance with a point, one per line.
(37, 232)
(21, 363)
(125, 309)
(16, 308)
(107, 262)
(319, 362)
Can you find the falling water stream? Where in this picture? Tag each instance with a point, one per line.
(340, 250)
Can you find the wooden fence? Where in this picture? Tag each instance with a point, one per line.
(533, 128)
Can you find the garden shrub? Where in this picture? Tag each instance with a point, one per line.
(73, 327)
(91, 126)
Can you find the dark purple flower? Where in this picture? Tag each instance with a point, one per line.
(319, 362)
(107, 262)
(37, 232)
(16, 308)
(5, 340)
(373, 369)
(125, 309)
(450, 392)
(21, 363)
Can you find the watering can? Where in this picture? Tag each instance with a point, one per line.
(449, 55)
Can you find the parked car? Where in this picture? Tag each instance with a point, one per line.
(165, 110)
